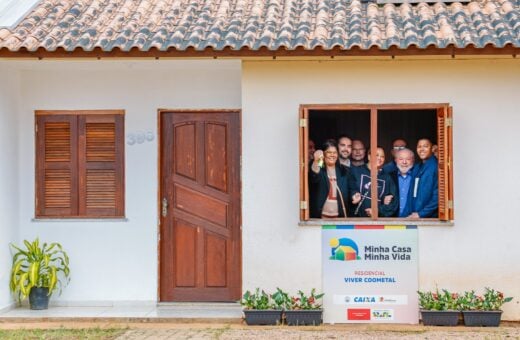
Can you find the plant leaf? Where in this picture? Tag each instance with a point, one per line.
(34, 270)
(53, 278)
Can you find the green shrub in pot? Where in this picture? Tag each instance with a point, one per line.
(482, 310)
(305, 309)
(439, 308)
(261, 308)
(38, 268)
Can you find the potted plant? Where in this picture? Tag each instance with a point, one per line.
(304, 309)
(261, 309)
(439, 308)
(38, 271)
(482, 310)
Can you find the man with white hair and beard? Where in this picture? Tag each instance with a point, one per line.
(404, 179)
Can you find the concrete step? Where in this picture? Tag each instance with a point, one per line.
(163, 312)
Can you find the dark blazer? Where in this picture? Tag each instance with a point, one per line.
(408, 209)
(426, 195)
(319, 189)
(390, 167)
(386, 186)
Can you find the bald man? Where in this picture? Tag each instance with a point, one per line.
(358, 153)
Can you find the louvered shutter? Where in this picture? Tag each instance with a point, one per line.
(56, 166)
(101, 170)
(304, 163)
(444, 142)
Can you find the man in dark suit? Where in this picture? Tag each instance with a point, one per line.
(404, 179)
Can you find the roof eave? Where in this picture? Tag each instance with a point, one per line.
(135, 53)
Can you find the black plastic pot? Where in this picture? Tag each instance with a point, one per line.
(263, 317)
(39, 298)
(440, 317)
(485, 318)
(303, 317)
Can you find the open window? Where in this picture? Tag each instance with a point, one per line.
(379, 125)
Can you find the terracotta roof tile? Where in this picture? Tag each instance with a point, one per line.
(253, 24)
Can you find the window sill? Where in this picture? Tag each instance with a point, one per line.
(425, 222)
(79, 219)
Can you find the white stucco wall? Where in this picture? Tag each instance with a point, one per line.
(480, 250)
(114, 261)
(9, 92)
(117, 260)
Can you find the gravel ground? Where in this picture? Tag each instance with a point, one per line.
(308, 333)
(238, 331)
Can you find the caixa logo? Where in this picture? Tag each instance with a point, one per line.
(360, 299)
(364, 299)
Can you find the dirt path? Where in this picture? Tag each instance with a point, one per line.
(303, 333)
(166, 330)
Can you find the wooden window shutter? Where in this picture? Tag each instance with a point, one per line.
(304, 164)
(444, 142)
(56, 166)
(101, 165)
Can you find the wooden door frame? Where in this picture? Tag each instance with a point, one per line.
(160, 113)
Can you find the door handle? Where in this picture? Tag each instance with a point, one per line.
(164, 206)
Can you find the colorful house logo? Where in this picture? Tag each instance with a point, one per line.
(343, 249)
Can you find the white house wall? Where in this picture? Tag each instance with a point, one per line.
(113, 261)
(9, 91)
(480, 250)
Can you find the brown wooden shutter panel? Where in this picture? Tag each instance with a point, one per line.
(304, 163)
(444, 142)
(449, 149)
(101, 165)
(56, 166)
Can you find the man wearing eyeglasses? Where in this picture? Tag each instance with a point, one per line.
(398, 144)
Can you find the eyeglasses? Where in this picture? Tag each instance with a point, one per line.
(399, 147)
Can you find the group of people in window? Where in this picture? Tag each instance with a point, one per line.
(340, 180)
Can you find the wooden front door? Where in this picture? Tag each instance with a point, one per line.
(200, 246)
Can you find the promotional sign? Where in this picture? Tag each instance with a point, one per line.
(370, 274)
